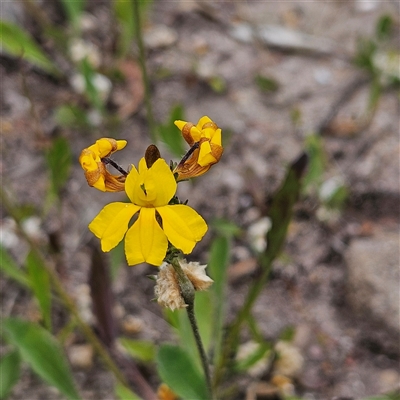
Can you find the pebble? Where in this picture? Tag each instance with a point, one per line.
(81, 355)
(373, 276)
(389, 380)
(132, 325)
(290, 361)
(160, 36)
(323, 76)
(242, 32)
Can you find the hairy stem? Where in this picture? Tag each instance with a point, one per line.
(188, 294)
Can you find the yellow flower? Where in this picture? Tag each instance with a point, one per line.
(205, 138)
(96, 172)
(149, 190)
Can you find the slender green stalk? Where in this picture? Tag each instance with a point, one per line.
(66, 299)
(231, 341)
(142, 62)
(188, 294)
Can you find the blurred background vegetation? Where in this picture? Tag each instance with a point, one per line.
(307, 99)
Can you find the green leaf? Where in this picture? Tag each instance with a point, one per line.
(59, 160)
(170, 134)
(10, 268)
(204, 311)
(225, 228)
(172, 317)
(92, 93)
(9, 372)
(217, 84)
(296, 116)
(395, 395)
(123, 393)
(280, 213)
(123, 11)
(254, 329)
(288, 333)
(317, 162)
(18, 43)
(73, 9)
(266, 84)
(70, 116)
(375, 93)
(217, 266)
(338, 198)
(40, 283)
(384, 27)
(281, 210)
(180, 321)
(43, 353)
(142, 350)
(366, 50)
(177, 370)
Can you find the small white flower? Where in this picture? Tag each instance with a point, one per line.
(94, 117)
(31, 227)
(388, 63)
(245, 351)
(101, 83)
(330, 187)
(79, 49)
(77, 81)
(257, 234)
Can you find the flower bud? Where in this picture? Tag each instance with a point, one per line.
(96, 172)
(206, 147)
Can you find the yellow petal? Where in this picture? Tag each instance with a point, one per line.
(203, 121)
(165, 184)
(195, 133)
(151, 187)
(100, 184)
(217, 137)
(121, 144)
(145, 241)
(142, 166)
(88, 161)
(131, 183)
(205, 156)
(182, 225)
(208, 132)
(112, 222)
(104, 147)
(180, 124)
(142, 191)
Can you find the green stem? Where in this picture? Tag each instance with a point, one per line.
(66, 299)
(188, 294)
(142, 63)
(231, 341)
